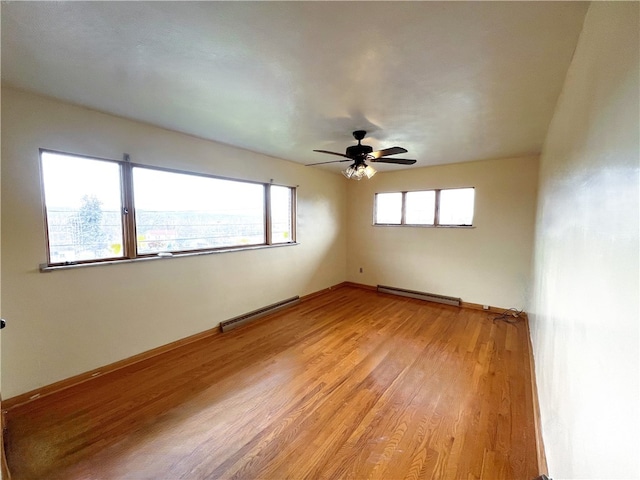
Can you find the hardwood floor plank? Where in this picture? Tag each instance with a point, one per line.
(349, 384)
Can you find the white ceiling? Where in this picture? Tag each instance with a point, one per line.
(449, 81)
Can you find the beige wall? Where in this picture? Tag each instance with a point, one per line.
(67, 322)
(488, 264)
(584, 314)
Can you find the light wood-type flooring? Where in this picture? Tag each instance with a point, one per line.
(349, 384)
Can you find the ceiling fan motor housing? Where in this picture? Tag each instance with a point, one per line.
(359, 152)
(356, 151)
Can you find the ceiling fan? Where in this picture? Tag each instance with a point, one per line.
(360, 154)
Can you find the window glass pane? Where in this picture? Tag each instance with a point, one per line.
(281, 231)
(83, 207)
(389, 208)
(178, 212)
(456, 206)
(420, 207)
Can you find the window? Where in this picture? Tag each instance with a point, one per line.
(84, 206)
(439, 208)
(420, 208)
(456, 206)
(281, 218)
(182, 212)
(99, 210)
(389, 208)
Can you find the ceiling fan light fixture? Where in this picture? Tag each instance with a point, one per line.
(348, 172)
(358, 172)
(369, 171)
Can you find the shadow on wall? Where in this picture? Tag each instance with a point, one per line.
(323, 266)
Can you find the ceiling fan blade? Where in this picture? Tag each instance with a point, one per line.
(388, 151)
(399, 161)
(333, 153)
(332, 161)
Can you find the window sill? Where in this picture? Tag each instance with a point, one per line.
(44, 268)
(422, 226)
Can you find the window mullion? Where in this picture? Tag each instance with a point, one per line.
(267, 215)
(436, 216)
(375, 208)
(294, 213)
(128, 212)
(403, 214)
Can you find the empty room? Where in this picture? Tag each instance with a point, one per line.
(269, 240)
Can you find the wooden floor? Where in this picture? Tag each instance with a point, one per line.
(351, 384)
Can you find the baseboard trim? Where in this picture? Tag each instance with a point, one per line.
(478, 306)
(319, 293)
(6, 474)
(360, 285)
(543, 468)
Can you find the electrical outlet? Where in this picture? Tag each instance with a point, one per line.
(485, 307)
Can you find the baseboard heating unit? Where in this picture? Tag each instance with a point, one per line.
(261, 312)
(430, 297)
